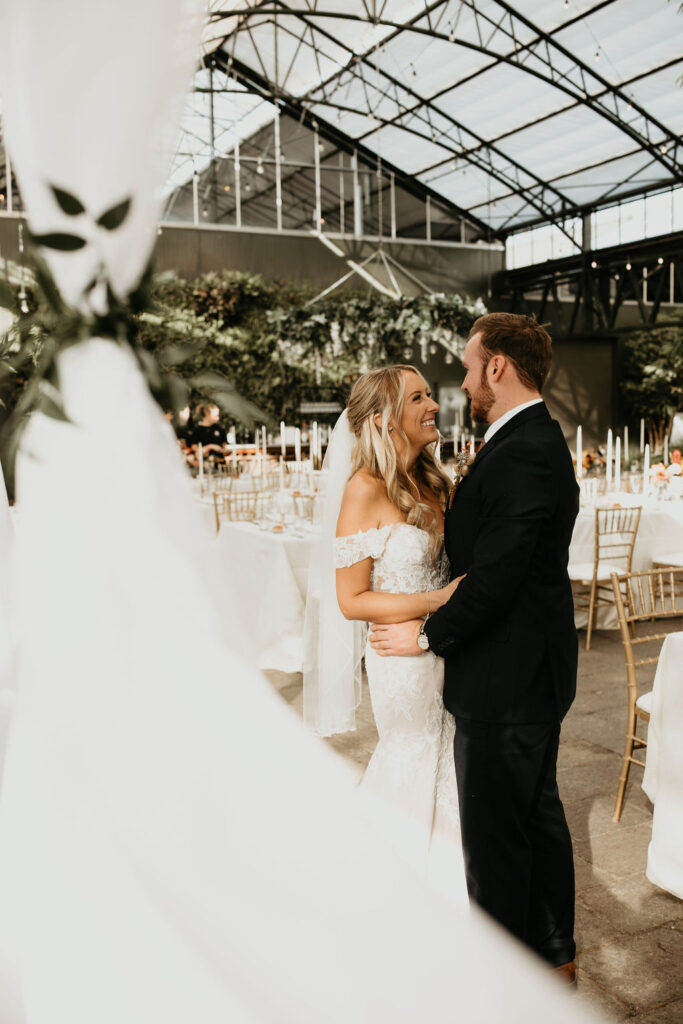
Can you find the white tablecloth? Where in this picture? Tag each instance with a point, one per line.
(660, 532)
(270, 571)
(663, 779)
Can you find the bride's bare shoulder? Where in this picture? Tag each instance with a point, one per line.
(363, 486)
(361, 505)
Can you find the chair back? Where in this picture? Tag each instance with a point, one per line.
(304, 504)
(642, 599)
(240, 505)
(615, 536)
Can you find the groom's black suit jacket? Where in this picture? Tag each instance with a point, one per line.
(507, 634)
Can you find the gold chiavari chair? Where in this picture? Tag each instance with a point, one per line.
(240, 505)
(304, 504)
(642, 598)
(615, 536)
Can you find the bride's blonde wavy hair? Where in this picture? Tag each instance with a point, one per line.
(382, 391)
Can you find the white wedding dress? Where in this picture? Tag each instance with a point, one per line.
(412, 767)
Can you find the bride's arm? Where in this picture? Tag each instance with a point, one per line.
(357, 601)
(360, 510)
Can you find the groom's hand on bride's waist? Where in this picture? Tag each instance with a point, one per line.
(396, 641)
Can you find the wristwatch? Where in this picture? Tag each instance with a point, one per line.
(422, 638)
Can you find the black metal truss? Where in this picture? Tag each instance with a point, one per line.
(342, 142)
(581, 83)
(599, 281)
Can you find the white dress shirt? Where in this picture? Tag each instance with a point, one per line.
(497, 424)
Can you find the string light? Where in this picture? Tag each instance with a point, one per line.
(628, 266)
(660, 261)
(259, 167)
(226, 188)
(593, 264)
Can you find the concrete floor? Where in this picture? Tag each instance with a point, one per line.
(629, 933)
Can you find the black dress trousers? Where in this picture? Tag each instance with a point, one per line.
(518, 851)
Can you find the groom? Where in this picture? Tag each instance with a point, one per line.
(508, 640)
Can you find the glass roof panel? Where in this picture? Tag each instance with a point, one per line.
(472, 78)
(567, 141)
(500, 100)
(630, 37)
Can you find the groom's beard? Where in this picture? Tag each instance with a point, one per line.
(483, 400)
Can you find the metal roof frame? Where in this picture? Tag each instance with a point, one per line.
(504, 35)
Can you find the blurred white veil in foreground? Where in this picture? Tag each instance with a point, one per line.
(169, 832)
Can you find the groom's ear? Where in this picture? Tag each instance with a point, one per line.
(497, 366)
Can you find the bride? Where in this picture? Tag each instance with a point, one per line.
(387, 496)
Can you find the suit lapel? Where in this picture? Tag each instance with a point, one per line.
(539, 411)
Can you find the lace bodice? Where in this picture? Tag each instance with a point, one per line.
(402, 563)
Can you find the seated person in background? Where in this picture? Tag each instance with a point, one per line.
(183, 425)
(208, 433)
(675, 468)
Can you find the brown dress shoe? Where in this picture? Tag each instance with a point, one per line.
(566, 973)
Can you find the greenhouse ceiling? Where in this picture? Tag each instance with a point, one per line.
(513, 114)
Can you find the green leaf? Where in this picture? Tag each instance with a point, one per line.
(60, 241)
(115, 216)
(50, 402)
(175, 355)
(68, 203)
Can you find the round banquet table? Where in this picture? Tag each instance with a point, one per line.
(663, 778)
(660, 532)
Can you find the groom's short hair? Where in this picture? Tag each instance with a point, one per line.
(519, 338)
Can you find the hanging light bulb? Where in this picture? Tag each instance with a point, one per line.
(407, 353)
(593, 264)
(259, 167)
(433, 349)
(628, 266)
(226, 188)
(448, 358)
(660, 261)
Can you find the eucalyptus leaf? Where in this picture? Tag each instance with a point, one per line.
(176, 354)
(68, 202)
(60, 241)
(114, 217)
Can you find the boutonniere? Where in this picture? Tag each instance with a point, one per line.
(463, 463)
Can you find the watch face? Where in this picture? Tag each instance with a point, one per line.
(423, 641)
